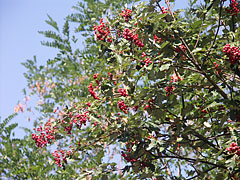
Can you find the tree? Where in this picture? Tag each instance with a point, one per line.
(157, 88)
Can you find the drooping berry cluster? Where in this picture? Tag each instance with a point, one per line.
(234, 149)
(123, 92)
(157, 39)
(126, 14)
(233, 8)
(46, 135)
(91, 91)
(122, 106)
(233, 53)
(61, 156)
(169, 89)
(102, 32)
(130, 36)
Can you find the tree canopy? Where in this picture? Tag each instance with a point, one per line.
(154, 87)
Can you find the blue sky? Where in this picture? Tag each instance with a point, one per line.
(20, 21)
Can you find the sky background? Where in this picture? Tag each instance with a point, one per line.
(20, 21)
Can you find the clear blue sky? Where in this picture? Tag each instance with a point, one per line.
(20, 21)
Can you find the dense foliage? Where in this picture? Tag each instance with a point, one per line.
(155, 87)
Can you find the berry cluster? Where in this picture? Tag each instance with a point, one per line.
(127, 157)
(130, 36)
(164, 10)
(180, 49)
(233, 8)
(81, 119)
(175, 78)
(61, 156)
(146, 62)
(233, 53)
(126, 14)
(150, 104)
(91, 91)
(122, 106)
(234, 149)
(169, 89)
(123, 92)
(102, 32)
(144, 54)
(157, 39)
(46, 136)
(216, 67)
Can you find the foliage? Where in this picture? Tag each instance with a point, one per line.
(159, 89)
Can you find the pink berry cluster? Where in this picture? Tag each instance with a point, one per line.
(102, 32)
(123, 107)
(233, 8)
(130, 36)
(46, 135)
(233, 53)
(126, 14)
(234, 149)
(169, 89)
(61, 156)
(91, 91)
(123, 92)
(157, 39)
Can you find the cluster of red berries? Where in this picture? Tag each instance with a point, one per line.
(157, 39)
(169, 89)
(146, 62)
(123, 92)
(135, 108)
(216, 67)
(234, 149)
(91, 91)
(102, 32)
(126, 14)
(95, 76)
(81, 119)
(233, 8)
(122, 106)
(233, 53)
(46, 136)
(150, 104)
(130, 36)
(164, 10)
(144, 54)
(127, 157)
(175, 78)
(61, 156)
(181, 48)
